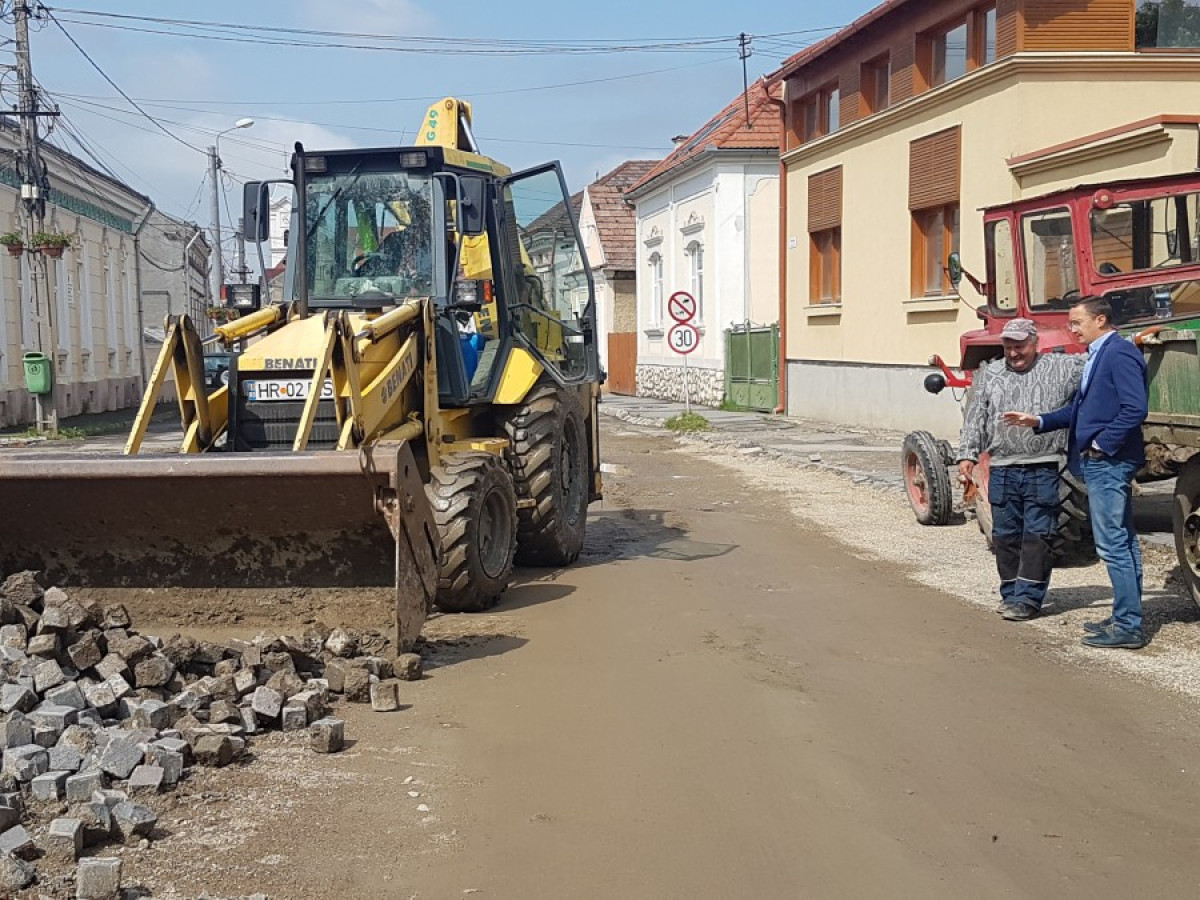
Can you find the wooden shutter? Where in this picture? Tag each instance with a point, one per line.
(1072, 25)
(851, 94)
(1007, 28)
(934, 162)
(904, 63)
(825, 200)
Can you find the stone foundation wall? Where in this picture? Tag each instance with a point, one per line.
(706, 387)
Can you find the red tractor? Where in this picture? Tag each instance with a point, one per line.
(1136, 243)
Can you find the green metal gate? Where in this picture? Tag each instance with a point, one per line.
(752, 366)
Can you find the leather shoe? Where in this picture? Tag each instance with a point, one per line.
(1020, 612)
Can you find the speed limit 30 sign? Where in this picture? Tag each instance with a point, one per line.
(683, 337)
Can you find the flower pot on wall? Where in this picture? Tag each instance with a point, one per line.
(14, 249)
(52, 251)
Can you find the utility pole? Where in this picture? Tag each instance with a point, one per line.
(34, 186)
(242, 271)
(214, 175)
(744, 52)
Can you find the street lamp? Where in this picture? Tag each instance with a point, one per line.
(214, 174)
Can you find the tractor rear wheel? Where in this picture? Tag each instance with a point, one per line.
(1072, 542)
(1186, 521)
(926, 479)
(475, 508)
(551, 474)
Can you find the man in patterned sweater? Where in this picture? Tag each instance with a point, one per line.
(1023, 484)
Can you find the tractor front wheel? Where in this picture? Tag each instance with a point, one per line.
(475, 508)
(926, 479)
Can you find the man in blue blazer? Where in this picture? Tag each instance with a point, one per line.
(1105, 446)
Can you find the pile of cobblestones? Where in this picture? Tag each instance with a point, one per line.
(97, 720)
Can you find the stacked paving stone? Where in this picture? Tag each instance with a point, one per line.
(101, 718)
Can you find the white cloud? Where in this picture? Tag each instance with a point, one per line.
(390, 17)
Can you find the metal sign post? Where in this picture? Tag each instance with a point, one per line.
(683, 337)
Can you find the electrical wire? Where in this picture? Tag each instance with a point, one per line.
(572, 45)
(712, 46)
(243, 104)
(117, 87)
(275, 148)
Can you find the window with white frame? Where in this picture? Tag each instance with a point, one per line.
(656, 290)
(695, 252)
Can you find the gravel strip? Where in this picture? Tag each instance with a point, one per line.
(858, 512)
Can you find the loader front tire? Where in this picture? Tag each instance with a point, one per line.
(549, 455)
(475, 508)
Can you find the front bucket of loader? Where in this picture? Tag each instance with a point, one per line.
(219, 521)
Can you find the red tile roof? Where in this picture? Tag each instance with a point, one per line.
(727, 130)
(615, 222)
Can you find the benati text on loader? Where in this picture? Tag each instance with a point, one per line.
(417, 413)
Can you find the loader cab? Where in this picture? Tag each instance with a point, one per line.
(499, 255)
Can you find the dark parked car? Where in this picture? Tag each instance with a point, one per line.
(216, 370)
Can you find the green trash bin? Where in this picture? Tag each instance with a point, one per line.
(39, 377)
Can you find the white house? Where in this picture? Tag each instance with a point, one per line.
(708, 223)
(608, 229)
(90, 294)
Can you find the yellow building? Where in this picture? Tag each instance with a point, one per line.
(900, 127)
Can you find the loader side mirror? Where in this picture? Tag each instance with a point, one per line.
(256, 211)
(473, 210)
(955, 269)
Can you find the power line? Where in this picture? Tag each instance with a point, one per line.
(161, 102)
(442, 49)
(117, 87)
(523, 43)
(83, 104)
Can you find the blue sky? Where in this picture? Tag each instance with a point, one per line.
(330, 97)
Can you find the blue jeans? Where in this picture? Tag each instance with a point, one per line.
(1110, 496)
(1024, 503)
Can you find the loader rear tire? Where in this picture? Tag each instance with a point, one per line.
(550, 468)
(475, 508)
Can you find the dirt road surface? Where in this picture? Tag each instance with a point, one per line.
(718, 701)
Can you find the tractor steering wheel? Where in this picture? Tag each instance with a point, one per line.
(361, 262)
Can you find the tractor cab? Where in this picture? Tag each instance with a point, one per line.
(1135, 243)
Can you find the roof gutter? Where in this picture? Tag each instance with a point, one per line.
(694, 162)
(137, 274)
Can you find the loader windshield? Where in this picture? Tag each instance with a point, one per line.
(370, 235)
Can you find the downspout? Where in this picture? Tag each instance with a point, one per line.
(783, 218)
(137, 276)
(187, 273)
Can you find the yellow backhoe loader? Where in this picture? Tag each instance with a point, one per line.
(419, 410)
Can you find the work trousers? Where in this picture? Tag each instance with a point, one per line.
(1025, 507)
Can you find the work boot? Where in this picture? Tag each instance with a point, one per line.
(1021, 612)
